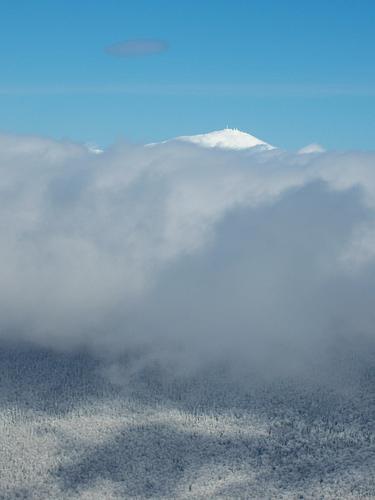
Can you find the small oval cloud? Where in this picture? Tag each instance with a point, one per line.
(138, 47)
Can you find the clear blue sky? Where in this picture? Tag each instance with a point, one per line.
(288, 71)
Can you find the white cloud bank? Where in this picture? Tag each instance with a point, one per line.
(253, 254)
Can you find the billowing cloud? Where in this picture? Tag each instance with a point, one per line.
(137, 47)
(258, 255)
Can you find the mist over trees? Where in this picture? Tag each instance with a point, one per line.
(184, 322)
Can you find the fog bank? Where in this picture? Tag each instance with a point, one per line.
(262, 257)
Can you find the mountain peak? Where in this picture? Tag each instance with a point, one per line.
(311, 148)
(228, 138)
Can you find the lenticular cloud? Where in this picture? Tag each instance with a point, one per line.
(252, 253)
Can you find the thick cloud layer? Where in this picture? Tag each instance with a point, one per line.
(251, 255)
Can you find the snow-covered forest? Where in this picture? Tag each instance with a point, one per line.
(73, 426)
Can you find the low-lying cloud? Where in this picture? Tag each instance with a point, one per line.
(264, 257)
(137, 47)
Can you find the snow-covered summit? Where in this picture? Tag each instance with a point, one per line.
(228, 138)
(311, 148)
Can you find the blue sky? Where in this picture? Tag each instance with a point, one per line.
(290, 72)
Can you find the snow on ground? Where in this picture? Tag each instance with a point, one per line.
(67, 431)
